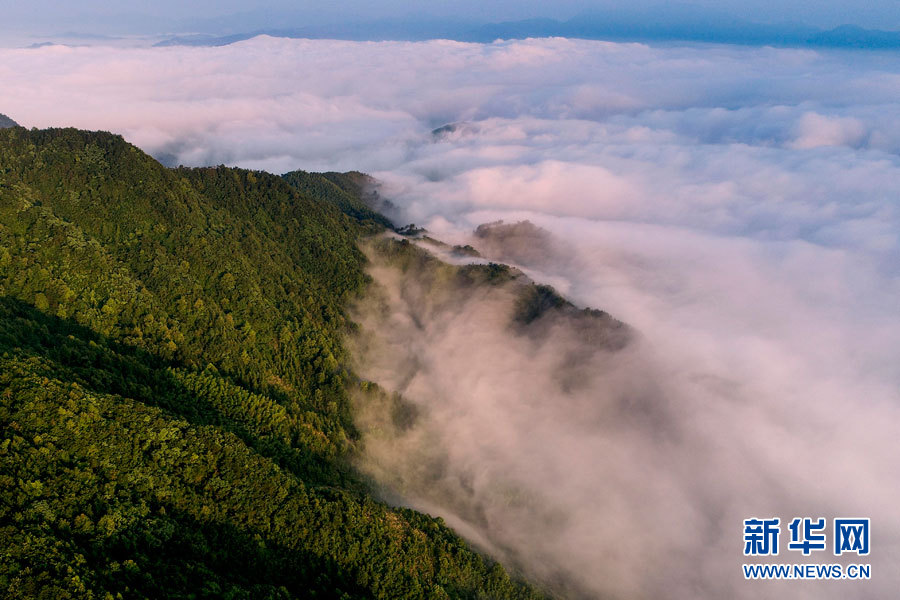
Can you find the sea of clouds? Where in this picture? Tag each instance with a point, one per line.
(736, 206)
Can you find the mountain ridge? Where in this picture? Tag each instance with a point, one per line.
(175, 388)
(641, 27)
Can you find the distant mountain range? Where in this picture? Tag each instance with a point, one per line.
(6, 122)
(659, 24)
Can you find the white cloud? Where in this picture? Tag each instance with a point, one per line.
(814, 130)
(738, 206)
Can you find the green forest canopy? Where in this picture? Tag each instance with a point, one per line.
(175, 411)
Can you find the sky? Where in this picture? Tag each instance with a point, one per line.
(53, 17)
(735, 206)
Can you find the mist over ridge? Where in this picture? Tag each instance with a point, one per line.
(581, 459)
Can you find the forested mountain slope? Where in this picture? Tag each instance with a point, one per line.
(348, 191)
(173, 396)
